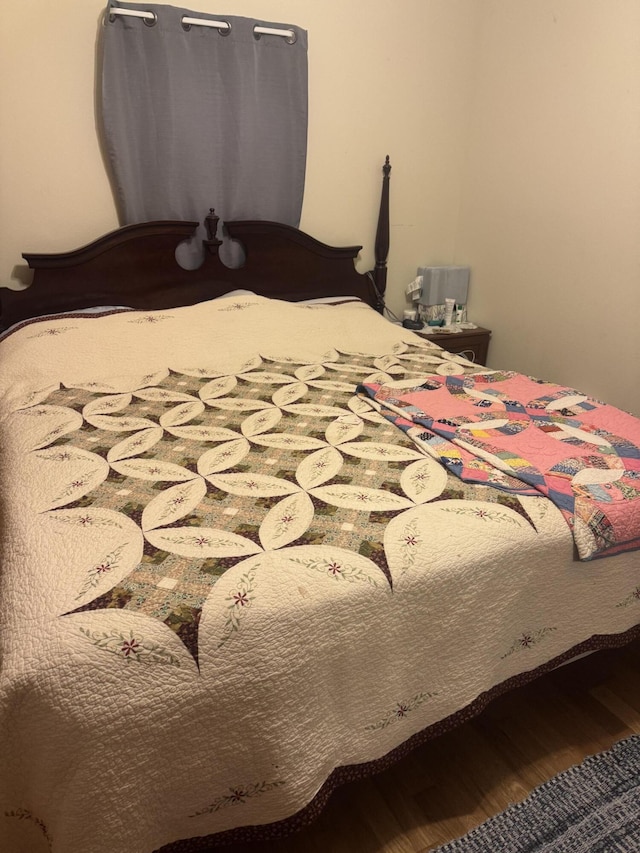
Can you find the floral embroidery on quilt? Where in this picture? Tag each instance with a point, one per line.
(150, 319)
(131, 647)
(632, 598)
(25, 814)
(100, 569)
(527, 640)
(53, 331)
(238, 603)
(400, 712)
(239, 795)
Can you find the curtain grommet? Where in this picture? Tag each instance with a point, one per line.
(149, 18)
(223, 29)
(292, 38)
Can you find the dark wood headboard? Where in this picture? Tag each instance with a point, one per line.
(135, 266)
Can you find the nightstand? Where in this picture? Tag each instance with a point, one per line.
(471, 343)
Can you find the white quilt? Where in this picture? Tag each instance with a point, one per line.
(223, 575)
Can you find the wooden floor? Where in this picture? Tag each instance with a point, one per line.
(456, 781)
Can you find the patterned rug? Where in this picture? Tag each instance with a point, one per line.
(593, 807)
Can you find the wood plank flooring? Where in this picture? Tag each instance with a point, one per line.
(445, 788)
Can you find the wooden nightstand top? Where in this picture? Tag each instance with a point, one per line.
(433, 332)
(472, 343)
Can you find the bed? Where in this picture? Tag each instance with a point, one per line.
(236, 570)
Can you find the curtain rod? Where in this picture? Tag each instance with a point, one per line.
(150, 19)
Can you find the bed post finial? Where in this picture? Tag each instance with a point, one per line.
(211, 224)
(382, 239)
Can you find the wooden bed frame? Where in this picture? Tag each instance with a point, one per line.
(135, 266)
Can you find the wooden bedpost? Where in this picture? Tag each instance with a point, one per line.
(212, 244)
(382, 240)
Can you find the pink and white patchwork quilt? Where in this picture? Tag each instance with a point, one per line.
(580, 453)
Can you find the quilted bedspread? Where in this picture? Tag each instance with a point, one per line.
(225, 575)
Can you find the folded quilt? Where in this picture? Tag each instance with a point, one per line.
(582, 454)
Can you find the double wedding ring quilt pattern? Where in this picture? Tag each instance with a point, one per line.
(198, 476)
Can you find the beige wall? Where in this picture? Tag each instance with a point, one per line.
(514, 132)
(380, 82)
(550, 211)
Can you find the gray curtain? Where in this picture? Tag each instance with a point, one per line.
(194, 119)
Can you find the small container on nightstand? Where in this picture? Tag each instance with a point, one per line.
(471, 343)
